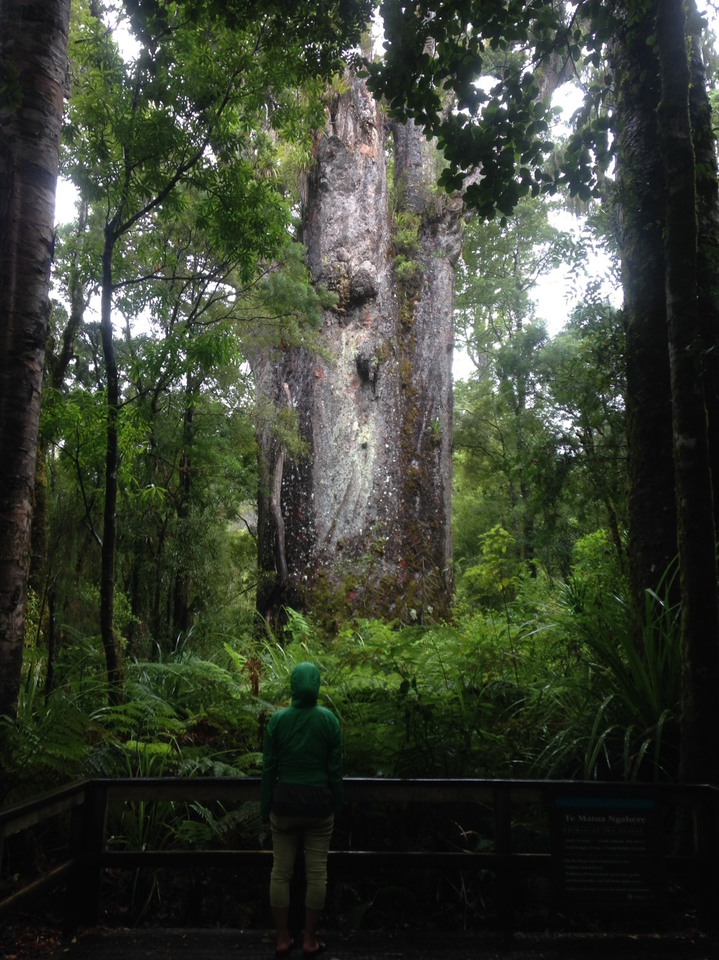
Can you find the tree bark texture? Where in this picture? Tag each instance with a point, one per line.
(707, 191)
(652, 508)
(359, 520)
(182, 618)
(33, 64)
(113, 658)
(693, 480)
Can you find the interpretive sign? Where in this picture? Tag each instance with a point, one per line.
(607, 851)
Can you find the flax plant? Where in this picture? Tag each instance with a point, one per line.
(615, 714)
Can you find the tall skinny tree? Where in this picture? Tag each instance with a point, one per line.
(138, 133)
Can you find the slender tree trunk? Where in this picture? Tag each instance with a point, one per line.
(59, 363)
(110, 644)
(33, 63)
(695, 507)
(181, 612)
(56, 367)
(52, 642)
(158, 625)
(359, 521)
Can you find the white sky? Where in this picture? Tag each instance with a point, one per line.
(557, 292)
(65, 200)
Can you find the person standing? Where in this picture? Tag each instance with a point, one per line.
(302, 790)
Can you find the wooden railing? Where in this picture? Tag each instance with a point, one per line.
(627, 832)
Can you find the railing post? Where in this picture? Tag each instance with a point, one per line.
(503, 850)
(82, 904)
(707, 855)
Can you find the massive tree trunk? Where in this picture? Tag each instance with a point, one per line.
(33, 63)
(358, 520)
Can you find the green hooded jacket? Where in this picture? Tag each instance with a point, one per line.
(303, 743)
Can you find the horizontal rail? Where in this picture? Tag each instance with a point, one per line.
(191, 859)
(17, 818)
(87, 803)
(396, 790)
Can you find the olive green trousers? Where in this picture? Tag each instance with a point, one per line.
(287, 834)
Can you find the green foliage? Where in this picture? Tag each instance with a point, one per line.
(512, 436)
(494, 579)
(405, 234)
(412, 701)
(183, 717)
(539, 426)
(493, 60)
(499, 269)
(177, 157)
(417, 701)
(405, 242)
(616, 714)
(596, 570)
(47, 744)
(308, 39)
(563, 682)
(176, 152)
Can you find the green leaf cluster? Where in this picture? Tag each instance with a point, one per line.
(476, 75)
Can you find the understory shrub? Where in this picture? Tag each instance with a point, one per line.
(564, 681)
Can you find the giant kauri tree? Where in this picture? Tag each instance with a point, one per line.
(356, 518)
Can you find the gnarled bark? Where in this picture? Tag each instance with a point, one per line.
(366, 507)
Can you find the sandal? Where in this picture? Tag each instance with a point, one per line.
(285, 952)
(308, 954)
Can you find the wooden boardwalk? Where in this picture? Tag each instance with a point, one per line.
(188, 944)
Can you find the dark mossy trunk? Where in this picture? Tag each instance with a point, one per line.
(652, 507)
(182, 616)
(707, 196)
(687, 354)
(110, 640)
(33, 64)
